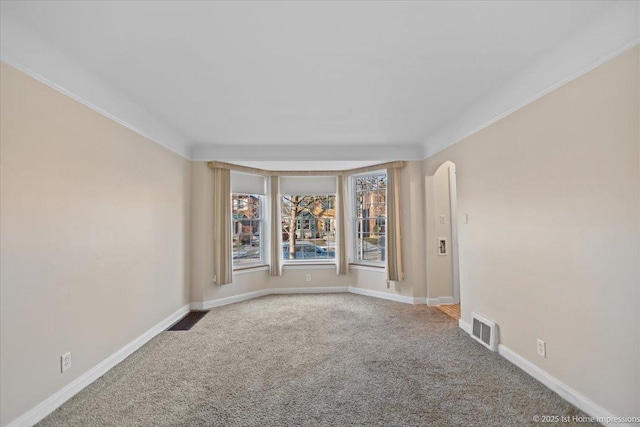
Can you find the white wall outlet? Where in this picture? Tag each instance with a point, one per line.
(65, 362)
(308, 277)
(465, 218)
(542, 348)
(443, 219)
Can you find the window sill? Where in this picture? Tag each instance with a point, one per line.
(250, 269)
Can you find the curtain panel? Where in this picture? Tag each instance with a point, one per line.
(222, 245)
(275, 245)
(394, 230)
(341, 217)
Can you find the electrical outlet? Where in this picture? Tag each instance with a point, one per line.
(443, 219)
(542, 348)
(65, 361)
(308, 277)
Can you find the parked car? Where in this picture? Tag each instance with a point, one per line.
(307, 250)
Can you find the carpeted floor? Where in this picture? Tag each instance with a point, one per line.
(305, 360)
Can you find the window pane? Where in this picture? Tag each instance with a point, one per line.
(370, 229)
(247, 229)
(308, 225)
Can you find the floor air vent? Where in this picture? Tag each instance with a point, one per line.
(485, 332)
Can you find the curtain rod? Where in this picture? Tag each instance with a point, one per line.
(264, 172)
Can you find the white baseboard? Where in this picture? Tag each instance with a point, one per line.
(383, 295)
(264, 292)
(305, 290)
(439, 301)
(52, 403)
(310, 290)
(567, 393)
(465, 326)
(561, 389)
(206, 305)
(44, 408)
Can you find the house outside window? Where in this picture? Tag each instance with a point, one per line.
(370, 218)
(308, 226)
(248, 226)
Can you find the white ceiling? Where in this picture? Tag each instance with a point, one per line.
(278, 81)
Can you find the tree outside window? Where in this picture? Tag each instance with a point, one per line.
(308, 226)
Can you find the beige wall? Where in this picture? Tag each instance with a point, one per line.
(439, 267)
(414, 248)
(203, 289)
(93, 236)
(202, 286)
(551, 249)
(413, 241)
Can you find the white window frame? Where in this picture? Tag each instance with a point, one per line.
(321, 261)
(352, 226)
(262, 261)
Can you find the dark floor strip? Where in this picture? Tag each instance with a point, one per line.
(188, 321)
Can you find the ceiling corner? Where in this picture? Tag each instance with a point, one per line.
(29, 53)
(611, 34)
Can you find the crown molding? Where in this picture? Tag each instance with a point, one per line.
(317, 152)
(612, 34)
(29, 53)
(299, 173)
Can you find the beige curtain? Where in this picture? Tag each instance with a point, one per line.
(341, 222)
(275, 266)
(222, 246)
(394, 231)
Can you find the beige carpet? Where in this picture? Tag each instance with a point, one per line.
(326, 360)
